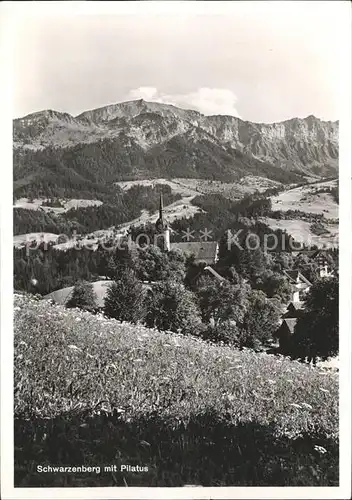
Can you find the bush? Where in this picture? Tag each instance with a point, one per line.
(226, 332)
(318, 229)
(274, 285)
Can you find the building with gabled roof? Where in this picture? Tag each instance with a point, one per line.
(300, 285)
(294, 310)
(285, 333)
(208, 271)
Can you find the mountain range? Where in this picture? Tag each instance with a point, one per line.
(59, 154)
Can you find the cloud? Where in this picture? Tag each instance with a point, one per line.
(146, 93)
(209, 101)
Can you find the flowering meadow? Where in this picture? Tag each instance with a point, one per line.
(96, 392)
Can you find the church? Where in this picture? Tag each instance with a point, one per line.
(203, 251)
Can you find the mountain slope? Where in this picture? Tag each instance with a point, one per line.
(139, 139)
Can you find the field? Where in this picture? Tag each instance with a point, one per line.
(177, 185)
(94, 391)
(300, 230)
(193, 187)
(62, 295)
(306, 199)
(37, 204)
(21, 239)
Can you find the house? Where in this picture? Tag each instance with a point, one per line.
(213, 273)
(207, 271)
(299, 285)
(284, 334)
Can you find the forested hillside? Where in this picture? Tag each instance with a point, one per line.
(120, 207)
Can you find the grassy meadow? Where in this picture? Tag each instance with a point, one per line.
(94, 391)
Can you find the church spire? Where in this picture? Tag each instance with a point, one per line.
(162, 226)
(161, 206)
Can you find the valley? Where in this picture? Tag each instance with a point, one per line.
(312, 198)
(309, 199)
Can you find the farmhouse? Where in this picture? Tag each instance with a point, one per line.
(284, 333)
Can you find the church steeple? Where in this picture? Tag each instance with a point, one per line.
(161, 206)
(162, 226)
(160, 223)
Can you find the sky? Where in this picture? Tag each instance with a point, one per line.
(260, 61)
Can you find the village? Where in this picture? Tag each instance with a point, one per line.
(205, 255)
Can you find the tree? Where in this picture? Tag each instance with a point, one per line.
(308, 267)
(274, 285)
(83, 297)
(261, 320)
(125, 299)
(317, 333)
(154, 264)
(172, 307)
(222, 301)
(282, 261)
(111, 268)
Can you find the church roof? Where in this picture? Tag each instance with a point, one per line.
(202, 250)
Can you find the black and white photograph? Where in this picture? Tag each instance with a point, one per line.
(175, 321)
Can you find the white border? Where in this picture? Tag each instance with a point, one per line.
(8, 13)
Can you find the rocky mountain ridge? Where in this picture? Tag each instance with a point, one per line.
(145, 139)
